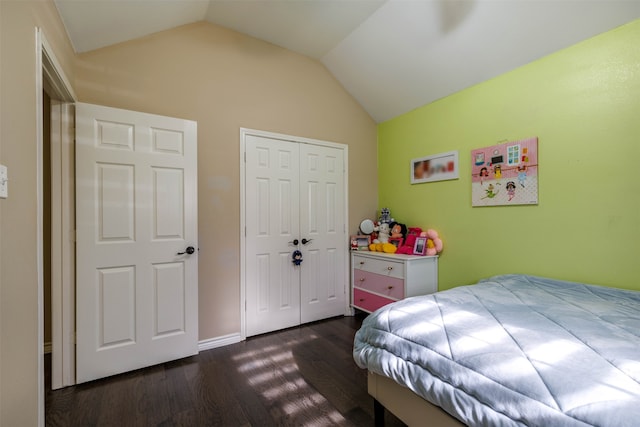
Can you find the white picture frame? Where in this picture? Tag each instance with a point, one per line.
(438, 167)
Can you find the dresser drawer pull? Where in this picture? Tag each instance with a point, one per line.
(361, 299)
(362, 279)
(389, 268)
(361, 262)
(389, 287)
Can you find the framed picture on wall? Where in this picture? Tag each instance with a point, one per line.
(438, 167)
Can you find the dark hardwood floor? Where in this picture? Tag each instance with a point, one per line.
(304, 376)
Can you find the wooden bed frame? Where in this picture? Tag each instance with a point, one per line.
(412, 409)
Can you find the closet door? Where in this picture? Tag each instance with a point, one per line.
(294, 200)
(322, 224)
(272, 222)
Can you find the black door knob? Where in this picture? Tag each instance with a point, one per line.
(189, 250)
(305, 241)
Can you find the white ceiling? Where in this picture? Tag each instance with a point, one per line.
(391, 55)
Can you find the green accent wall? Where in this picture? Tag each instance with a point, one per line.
(583, 104)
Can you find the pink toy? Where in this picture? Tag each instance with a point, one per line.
(434, 243)
(409, 241)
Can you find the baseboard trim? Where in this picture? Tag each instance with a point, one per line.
(202, 345)
(219, 342)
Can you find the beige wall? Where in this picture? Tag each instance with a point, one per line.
(201, 72)
(18, 250)
(224, 81)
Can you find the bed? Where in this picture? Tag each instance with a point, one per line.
(512, 350)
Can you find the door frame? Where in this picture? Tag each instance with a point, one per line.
(244, 132)
(50, 77)
(62, 244)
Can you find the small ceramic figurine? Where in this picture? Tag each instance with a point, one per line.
(354, 244)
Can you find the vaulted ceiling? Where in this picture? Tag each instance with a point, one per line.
(391, 55)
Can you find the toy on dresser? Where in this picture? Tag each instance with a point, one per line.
(409, 241)
(383, 233)
(381, 242)
(385, 216)
(387, 232)
(390, 236)
(434, 243)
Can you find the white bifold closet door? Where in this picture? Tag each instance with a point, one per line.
(294, 192)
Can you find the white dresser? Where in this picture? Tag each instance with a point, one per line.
(378, 279)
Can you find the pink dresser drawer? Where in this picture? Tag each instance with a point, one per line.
(385, 285)
(368, 302)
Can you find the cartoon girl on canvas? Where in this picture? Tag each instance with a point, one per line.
(484, 173)
(522, 175)
(511, 189)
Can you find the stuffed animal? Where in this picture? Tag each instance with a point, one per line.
(383, 233)
(385, 216)
(398, 230)
(434, 243)
(388, 248)
(414, 231)
(409, 241)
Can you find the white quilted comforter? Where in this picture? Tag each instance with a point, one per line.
(514, 350)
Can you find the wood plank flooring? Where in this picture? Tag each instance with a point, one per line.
(304, 376)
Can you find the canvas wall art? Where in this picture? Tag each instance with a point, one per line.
(505, 174)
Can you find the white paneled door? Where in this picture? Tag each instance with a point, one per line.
(272, 199)
(137, 268)
(323, 224)
(294, 200)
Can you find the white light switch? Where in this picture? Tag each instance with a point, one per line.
(4, 182)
